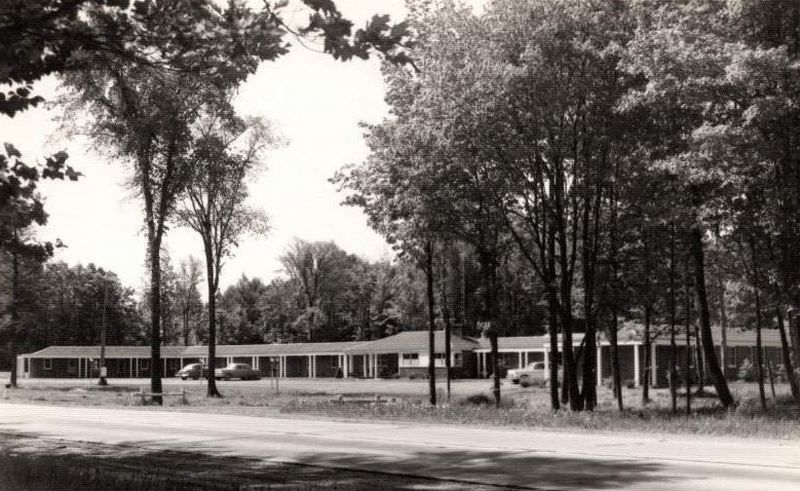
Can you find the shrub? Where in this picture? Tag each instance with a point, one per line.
(747, 371)
(476, 400)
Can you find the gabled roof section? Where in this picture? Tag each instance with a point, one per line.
(413, 341)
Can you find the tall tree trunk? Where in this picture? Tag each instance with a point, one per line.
(787, 358)
(723, 320)
(13, 329)
(717, 377)
(647, 356)
(186, 326)
(155, 319)
(102, 379)
(701, 362)
(759, 345)
(615, 358)
(589, 392)
(673, 388)
(446, 318)
(431, 322)
(555, 404)
(211, 390)
(687, 373)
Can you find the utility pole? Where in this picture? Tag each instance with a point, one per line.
(102, 379)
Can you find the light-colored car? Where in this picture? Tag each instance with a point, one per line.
(242, 371)
(192, 370)
(534, 371)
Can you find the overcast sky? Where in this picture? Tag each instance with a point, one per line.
(316, 104)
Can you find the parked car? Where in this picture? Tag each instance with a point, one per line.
(534, 371)
(241, 371)
(193, 371)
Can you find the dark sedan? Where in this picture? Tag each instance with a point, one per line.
(242, 371)
(193, 370)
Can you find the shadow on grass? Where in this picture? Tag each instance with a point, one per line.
(32, 464)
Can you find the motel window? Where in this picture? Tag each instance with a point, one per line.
(410, 359)
(48, 364)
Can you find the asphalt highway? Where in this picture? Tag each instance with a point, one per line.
(531, 459)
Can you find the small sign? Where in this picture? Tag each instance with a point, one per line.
(103, 372)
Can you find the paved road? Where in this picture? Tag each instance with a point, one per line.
(524, 458)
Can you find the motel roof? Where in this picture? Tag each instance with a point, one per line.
(407, 341)
(111, 352)
(413, 341)
(275, 349)
(514, 342)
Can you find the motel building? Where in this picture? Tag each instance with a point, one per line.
(402, 355)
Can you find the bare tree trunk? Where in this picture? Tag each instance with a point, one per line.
(718, 378)
(647, 355)
(759, 346)
(723, 320)
(14, 327)
(771, 377)
(787, 358)
(431, 323)
(687, 374)
(615, 358)
(446, 318)
(102, 379)
(186, 326)
(700, 359)
(553, 331)
(673, 388)
(155, 319)
(211, 390)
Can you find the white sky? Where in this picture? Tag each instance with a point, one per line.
(316, 103)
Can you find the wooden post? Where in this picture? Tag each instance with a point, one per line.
(636, 367)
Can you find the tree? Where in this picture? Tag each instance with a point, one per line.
(214, 204)
(144, 105)
(319, 272)
(188, 297)
(21, 209)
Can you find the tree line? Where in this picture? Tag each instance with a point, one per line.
(624, 159)
(153, 81)
(639, 156)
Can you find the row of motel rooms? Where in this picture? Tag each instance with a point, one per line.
(401, 355)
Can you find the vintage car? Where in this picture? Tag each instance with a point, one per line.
(193, 370)
(242, 371)
(534, 371)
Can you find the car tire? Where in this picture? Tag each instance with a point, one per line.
(227, 378)
(184, 377)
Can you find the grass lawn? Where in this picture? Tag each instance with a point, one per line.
(404, 400)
